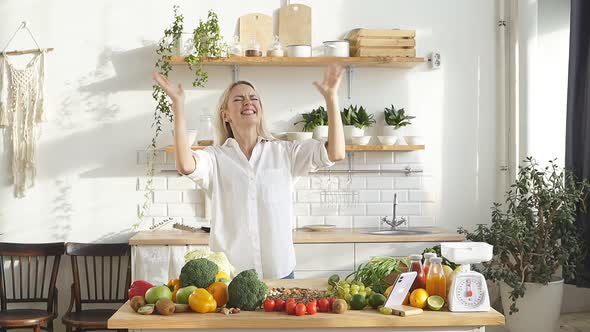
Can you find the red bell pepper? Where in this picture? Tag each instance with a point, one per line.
(138, 288)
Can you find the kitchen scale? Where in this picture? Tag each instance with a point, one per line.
(469, 291)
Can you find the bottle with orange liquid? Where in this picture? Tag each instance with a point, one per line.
(427, 257)
(436, 282)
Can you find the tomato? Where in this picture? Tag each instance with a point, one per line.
(269, 305)
(300, 309)
(313, 301)
(324, 305)
(312, 308)
(290, 307)
(279, 305)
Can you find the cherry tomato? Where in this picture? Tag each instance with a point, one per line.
(290, 307)
(279, 305)
(312, 308)
(324, 305)
(269, 305)
(300, 309)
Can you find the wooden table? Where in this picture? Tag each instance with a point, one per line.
(352, 320)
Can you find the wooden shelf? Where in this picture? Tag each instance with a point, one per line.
(171, 149)
(368, 61)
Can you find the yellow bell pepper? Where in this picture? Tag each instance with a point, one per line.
(174, 285)
(222, 277)
(202, 301)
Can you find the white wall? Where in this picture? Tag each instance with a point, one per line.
(99, 106)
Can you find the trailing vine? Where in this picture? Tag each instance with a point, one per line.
(163, 106)
(208, 43)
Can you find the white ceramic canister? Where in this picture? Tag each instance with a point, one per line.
(338, 48)
(300, 51)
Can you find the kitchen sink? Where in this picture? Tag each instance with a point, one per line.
(402, 231)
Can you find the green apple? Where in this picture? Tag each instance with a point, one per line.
(157, 292)
(183, 294)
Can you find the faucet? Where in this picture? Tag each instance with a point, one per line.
(394, 223)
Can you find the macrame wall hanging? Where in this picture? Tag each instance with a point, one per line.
(21, 109)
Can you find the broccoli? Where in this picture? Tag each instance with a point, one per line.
(198, 272)
(246, 291)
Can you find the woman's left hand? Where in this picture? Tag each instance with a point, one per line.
(332, 77)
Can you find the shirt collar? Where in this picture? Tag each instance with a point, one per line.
(232, 142)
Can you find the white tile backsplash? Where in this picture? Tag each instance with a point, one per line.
(177, 196)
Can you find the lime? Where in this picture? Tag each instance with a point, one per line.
(358, 302)
(435, 302)
(376, 299)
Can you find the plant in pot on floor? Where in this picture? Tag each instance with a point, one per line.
(395, 121)
(355, 119)
(316, 121)
(534, 236)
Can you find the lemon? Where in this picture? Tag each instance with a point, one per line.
(418, 298)
(435, 302)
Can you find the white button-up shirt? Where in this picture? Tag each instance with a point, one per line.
(251, 200)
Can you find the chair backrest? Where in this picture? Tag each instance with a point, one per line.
(24, 276)
(102, 272)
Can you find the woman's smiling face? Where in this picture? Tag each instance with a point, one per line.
(243, 107)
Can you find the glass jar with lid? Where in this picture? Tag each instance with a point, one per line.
(236, 48)
(253, 48)
(275, 49)
(205, 133)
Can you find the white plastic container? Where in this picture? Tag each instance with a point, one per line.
(337, 48)
(467, 252)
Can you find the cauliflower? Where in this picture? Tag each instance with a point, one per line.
(218, 258)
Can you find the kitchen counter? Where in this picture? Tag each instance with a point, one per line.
(368, 319)
(300, 236)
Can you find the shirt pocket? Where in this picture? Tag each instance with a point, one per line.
(274, 185)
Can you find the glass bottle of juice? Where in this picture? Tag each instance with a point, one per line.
(427, 257)
(416, 265)
(436, 283)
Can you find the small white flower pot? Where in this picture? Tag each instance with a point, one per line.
(399, 133)
(320, 132)
(352, 131)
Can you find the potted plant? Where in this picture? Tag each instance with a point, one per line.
(316, 121)
(355, 119)
(207, 43)
(534, 235)
(395, 121)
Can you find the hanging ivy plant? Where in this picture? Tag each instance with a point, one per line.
(163, 105)
(208, 43)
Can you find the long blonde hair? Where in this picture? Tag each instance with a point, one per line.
(224, 129)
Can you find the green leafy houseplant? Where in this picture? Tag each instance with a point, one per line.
(397, 118)
(162, 110)
(357, 116)
(208, 43)
(313, 119)
(534, 233)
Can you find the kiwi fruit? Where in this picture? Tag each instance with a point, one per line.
(137, 302)
(339, 306)
(181, 308)
(165, 306)
(146, 309)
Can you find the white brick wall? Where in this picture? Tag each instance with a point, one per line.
(177, 196)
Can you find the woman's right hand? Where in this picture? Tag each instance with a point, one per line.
(176, 93)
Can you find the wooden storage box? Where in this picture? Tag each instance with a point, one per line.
(389, 43)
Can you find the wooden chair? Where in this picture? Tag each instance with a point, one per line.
(102, 274)
(24, 279)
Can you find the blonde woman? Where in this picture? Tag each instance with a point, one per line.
(249, 176)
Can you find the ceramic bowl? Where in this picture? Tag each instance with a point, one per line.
(414, 140)
(387, 140)
(299, 135)
(360, 140)
(280, 135)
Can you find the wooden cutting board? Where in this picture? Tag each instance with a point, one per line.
(382, 42)
(295, 25)
(258, 25)
(381, 33)
(405, 310)
(381, 51)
